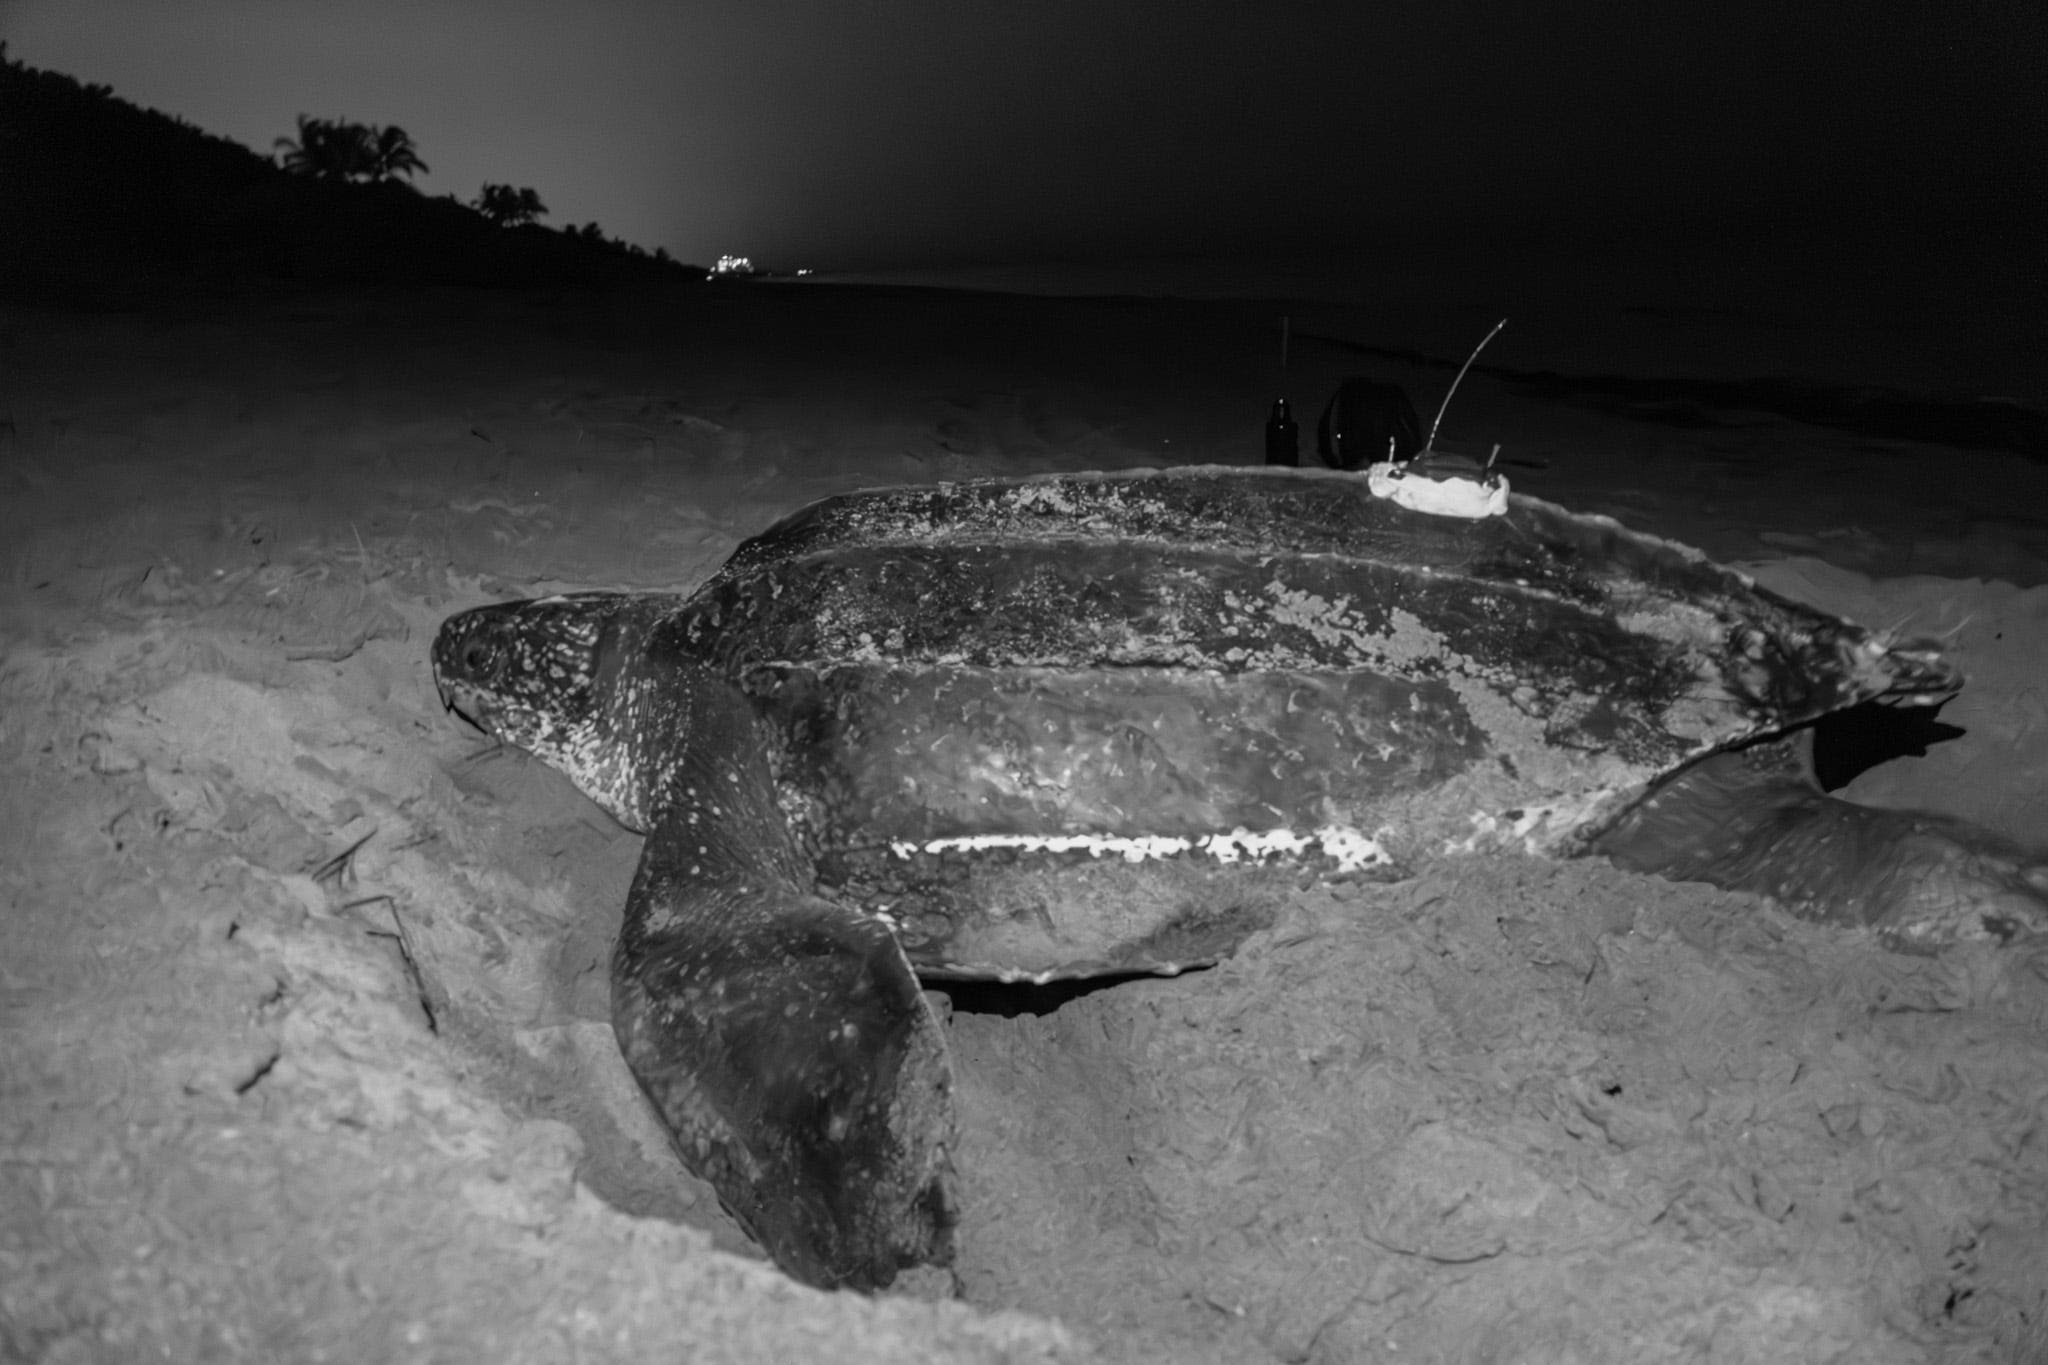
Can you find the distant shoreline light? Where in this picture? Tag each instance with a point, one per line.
(743, 267)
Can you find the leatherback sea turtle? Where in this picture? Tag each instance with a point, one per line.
(1095, 723)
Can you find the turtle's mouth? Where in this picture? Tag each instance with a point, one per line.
(468, 704)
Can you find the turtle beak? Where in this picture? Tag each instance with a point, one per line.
(466, 704)
(458, 694)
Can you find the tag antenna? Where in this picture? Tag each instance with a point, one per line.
(1431, 443)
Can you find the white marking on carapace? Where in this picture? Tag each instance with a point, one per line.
(1351, 849)
(1533, 829)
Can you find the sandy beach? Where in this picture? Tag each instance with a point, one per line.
(307, 1049)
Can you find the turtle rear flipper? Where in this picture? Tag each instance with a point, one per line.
(792, 1055)
(1753, 819)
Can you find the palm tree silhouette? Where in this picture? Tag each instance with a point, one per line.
(508, 207)
(332, 149)
(326, 149)
(393, 154)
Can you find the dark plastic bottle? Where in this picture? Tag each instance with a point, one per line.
(1283, 435)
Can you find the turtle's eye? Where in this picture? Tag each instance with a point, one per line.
(482, 659)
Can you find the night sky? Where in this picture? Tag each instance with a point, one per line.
(859, 133)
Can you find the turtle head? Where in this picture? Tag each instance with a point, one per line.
(532, 674)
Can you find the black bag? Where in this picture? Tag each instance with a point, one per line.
(1363, 416)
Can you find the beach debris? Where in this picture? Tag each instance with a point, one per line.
(1367, 420)
(1283, 436)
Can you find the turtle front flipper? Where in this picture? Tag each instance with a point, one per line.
(1754, 820)
(786, 1044)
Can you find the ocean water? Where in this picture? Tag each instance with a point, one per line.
(1950, 326)
(1894, 420)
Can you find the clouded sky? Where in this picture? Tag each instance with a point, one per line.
(838, 133)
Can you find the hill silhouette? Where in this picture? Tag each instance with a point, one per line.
(101, 199)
